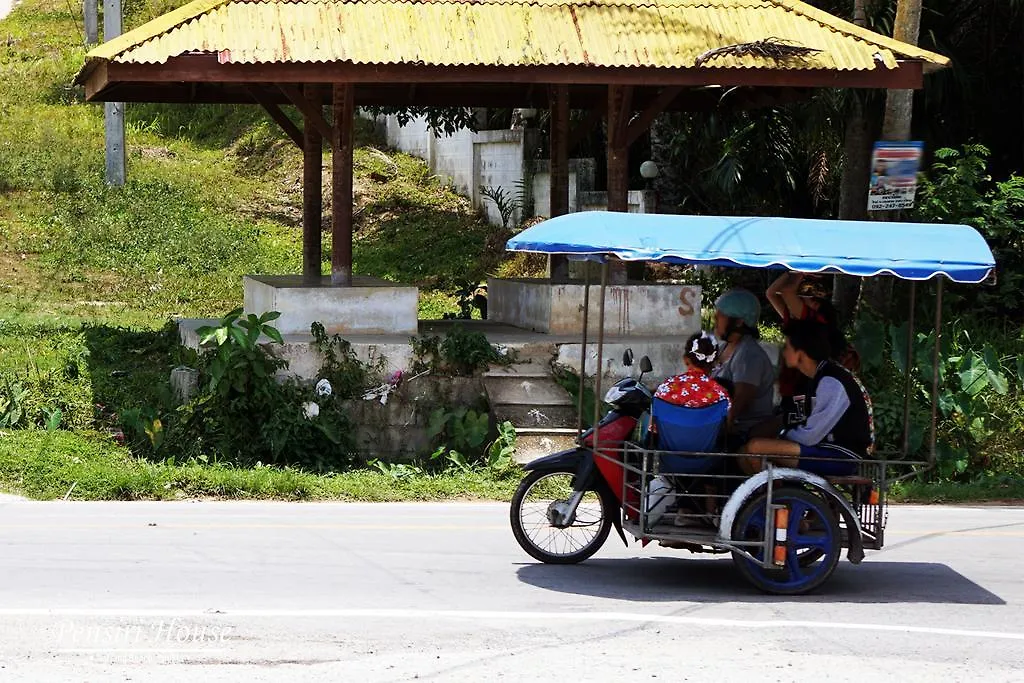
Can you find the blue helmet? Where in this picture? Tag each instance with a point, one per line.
(740, 304)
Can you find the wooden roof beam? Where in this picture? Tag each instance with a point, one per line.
(279, 117)
(641, 123)
(312, 112)
(205, 68)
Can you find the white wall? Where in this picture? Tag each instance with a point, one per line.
(499, 158)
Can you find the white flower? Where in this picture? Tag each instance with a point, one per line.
(323, 388)
(310, 410)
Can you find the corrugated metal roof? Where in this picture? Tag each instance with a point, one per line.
(604, 33)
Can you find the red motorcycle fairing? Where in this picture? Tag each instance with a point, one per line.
(612, 434)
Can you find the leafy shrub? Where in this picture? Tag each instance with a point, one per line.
(462, 434)
(961, 191)
(975, 403)
(349, 377)
(461, 353)
(245, 415)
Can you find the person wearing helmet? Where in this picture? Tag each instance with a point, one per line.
(744, 367)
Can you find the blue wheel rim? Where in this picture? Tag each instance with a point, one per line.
(820, 537)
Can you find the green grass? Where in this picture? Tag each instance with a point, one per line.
(46, 466)
(984, 489)
(213, 194)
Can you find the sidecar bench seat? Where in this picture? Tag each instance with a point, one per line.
(852, 480)
(688, 430)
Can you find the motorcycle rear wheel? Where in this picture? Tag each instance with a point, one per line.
(531, 519)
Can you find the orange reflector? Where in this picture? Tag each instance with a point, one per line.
(781, 535)
(873, 499)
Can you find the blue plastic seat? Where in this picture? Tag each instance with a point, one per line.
(692, 430)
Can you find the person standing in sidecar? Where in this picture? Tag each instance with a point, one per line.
(744, 368)
(839, 432)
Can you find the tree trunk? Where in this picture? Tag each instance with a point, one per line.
(853, 188)
(899, 106)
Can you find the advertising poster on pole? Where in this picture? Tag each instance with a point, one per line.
(894, 167)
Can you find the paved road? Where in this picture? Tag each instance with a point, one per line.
(340, 592)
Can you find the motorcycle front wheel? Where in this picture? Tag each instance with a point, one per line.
(536, 505)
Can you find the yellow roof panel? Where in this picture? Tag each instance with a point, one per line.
(605, 33)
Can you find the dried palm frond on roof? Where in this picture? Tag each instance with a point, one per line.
(770, 48)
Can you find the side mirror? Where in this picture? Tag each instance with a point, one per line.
(645, 365)
(627, 358)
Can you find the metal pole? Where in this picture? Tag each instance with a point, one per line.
(583, 349)
(90, 11)
(113, 112)
(907, 388)
(600, 352)
(936, 357)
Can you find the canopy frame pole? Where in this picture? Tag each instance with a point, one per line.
(936, 359)
(583, 349)
(908, 380)
(600, 352)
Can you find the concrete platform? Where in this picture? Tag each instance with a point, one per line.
(633, 308)
(369, 306)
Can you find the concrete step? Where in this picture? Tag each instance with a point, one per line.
(546, 416)
(533, 443)
(524, 370)
(528, 391)
(534, 353)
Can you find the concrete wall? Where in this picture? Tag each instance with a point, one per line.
(649, 309)
(498, 162)
(581, 179)
(470, 161)
(370, 306)
(666, 358)
(397, 431)
(640, 201)
(502, 159)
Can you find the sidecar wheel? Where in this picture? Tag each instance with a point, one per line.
(813, 543)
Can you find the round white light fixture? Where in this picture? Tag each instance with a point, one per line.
(648, 170)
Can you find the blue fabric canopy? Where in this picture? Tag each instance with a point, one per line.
(912, 251)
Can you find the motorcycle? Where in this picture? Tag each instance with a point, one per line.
(579, 496)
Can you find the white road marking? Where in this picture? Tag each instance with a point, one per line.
(141, 650)
(477, 615)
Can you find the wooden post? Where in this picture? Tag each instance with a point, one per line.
(90, 13)
(312, 193)
(341, 185)
(113, 112)
(558, 266)
(618, 150)
(619, 106)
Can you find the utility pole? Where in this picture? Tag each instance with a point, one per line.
(113, 112)
(90, 10)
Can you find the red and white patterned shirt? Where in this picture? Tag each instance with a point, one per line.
(692, 389)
